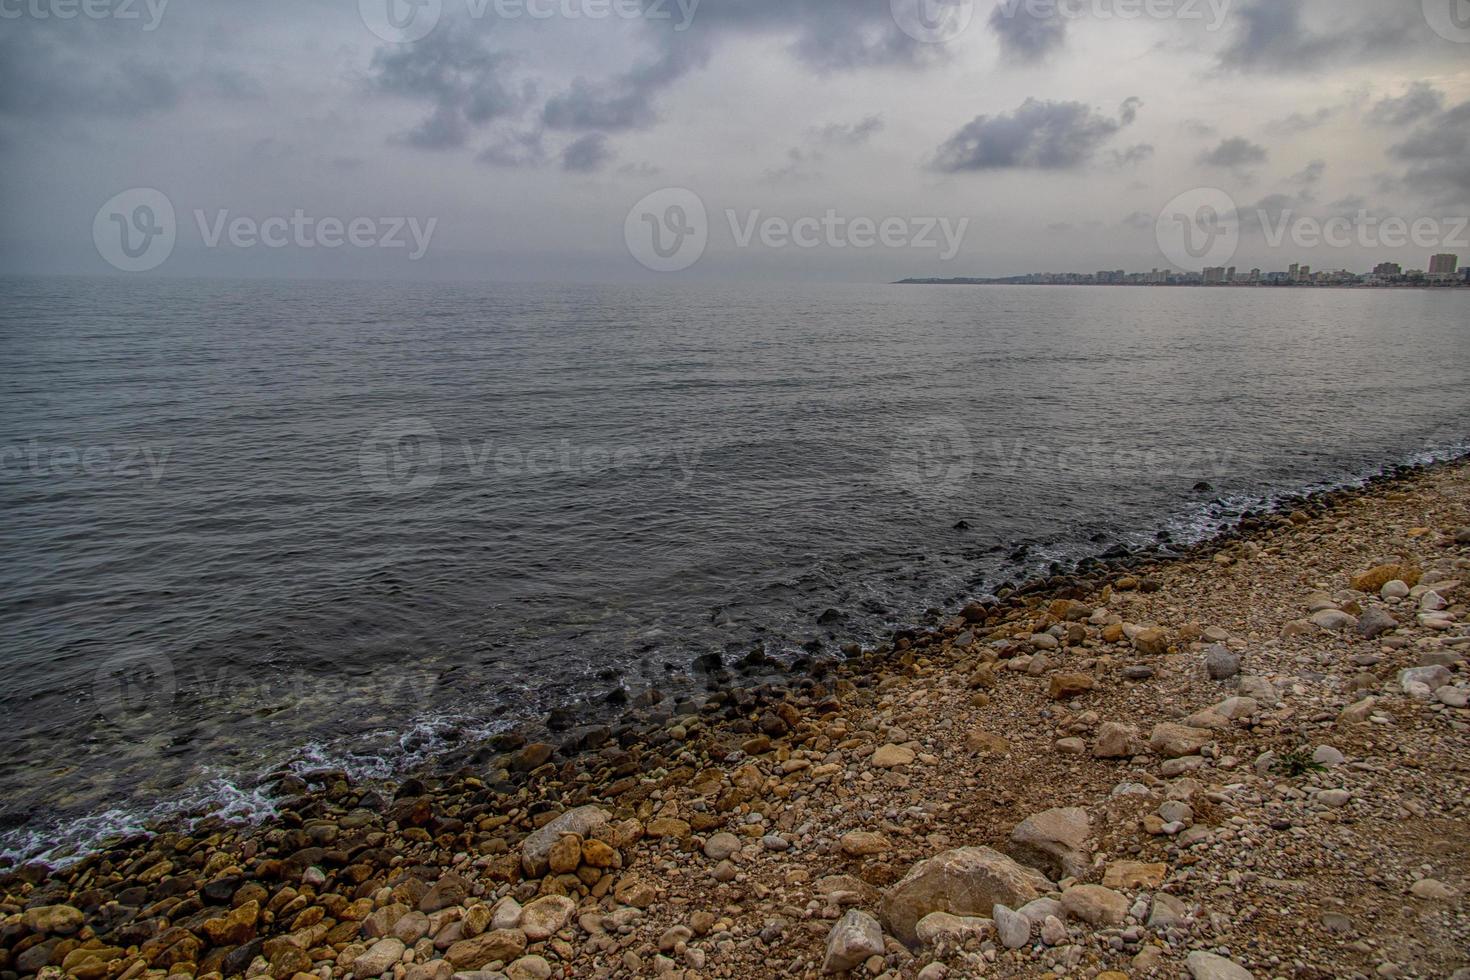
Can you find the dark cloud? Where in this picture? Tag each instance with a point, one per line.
(1273, 35)
(510, 149)
(1420, 101)
(801, 161)
(232, 84)
(1268, 211)
(1309, 175)
(1438, 153)
(587, 154)
(466, 84)
(1133, 155)
(798, 166)
(1234, 154)
(1299, 122)
(1039, 136)
(1139, 219)
(847, 134)
(1027, 37)
(827, 35)
(625, 102)
(43, 77)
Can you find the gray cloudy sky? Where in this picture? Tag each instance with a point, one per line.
(1060, 134)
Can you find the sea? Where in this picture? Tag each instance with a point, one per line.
(258, 526)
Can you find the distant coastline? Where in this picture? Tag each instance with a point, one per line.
(1063, 279)
(1444, 272)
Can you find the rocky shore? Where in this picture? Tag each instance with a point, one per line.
(1250, 761)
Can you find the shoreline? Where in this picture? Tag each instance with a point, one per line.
(248, 797)
(636, 769)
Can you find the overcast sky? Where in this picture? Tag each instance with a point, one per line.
(1046, 139)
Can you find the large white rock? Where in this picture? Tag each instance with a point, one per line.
(937, 927)
(1012, 928)
(1055, 841)
(536, 849)
(379, 959)
(1208, 966)
(854, 938)
(967, 881)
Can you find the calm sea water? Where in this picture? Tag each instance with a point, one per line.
(253, 524)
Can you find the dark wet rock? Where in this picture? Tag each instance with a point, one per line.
(450, 890)
(1375, 622)
(1221, 663)
(533, 756)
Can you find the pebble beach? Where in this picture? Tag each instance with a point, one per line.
(1248, 761)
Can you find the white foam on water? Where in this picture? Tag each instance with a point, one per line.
(247, 801)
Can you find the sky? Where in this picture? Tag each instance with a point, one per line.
(729, 140)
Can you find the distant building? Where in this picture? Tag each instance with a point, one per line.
(1442, 267)
(1388, 270)
(1215, 275)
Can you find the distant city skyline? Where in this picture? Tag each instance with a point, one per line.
(1444, 270)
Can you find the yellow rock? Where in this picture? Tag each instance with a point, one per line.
(1375, 579)
(1133, 875)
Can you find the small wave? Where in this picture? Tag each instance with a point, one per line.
(247, 799)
